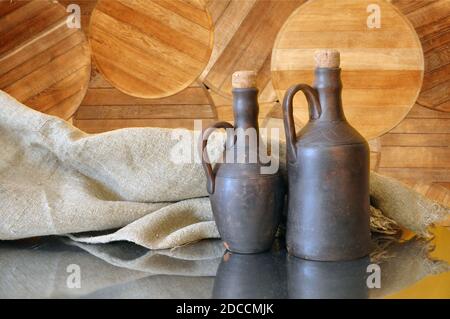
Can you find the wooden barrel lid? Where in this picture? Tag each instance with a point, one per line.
(151, 49)
(382, 68)
(43, 63)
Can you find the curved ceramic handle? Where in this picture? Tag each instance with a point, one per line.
(210, 178)
(315, 111)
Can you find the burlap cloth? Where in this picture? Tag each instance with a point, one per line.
(58, 180)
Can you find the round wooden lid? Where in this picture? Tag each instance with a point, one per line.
(43, 63)
(151, 49)
(382, 68)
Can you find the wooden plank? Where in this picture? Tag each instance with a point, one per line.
(42, 59)
(427, 14)
(427, 140)
(437, 58)
(435, 77)
(422, 174)
(28, 26)
(56, 96)
(111, 96)
(51, 73)
(106, 108)
(408, 6)
(415, 157)
(434, 36)
(157, 111)
(6, 7)
(421, 112)
(413, 125)
(98, 126)
(438, 97)
(9, 18)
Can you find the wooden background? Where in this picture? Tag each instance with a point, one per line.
(416, 151)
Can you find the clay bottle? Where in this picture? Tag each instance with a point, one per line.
(328, 172)
(246, 201)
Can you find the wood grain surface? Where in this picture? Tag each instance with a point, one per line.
(105, 108)
(43, 63)
(382, 67)
(417, 152)
(244, 35)
(151, 48)
(431, 19)
(418, 149)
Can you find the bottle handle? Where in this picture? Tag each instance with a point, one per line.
(314, 108)
(210, 177)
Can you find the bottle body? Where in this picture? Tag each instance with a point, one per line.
(247, 211)
(328, 203)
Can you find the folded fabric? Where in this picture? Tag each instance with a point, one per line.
(58, 180)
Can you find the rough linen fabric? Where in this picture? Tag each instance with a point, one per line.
(58, 180)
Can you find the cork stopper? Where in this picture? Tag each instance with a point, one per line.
(243, 79)
(328, 58)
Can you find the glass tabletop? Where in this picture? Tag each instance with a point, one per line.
(54, 267)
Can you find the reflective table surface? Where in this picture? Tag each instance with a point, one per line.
(52, 267)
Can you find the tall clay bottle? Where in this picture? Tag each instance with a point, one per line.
(328, 172)
(246, 201)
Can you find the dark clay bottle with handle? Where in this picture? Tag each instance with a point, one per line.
(328, 172)
(246, 201)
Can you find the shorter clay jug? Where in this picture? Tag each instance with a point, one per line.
(246, 202)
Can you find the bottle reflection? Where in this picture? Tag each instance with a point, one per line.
(318, 279)
(256, 276)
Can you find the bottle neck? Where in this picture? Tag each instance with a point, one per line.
(329, 87)
(246, 108)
